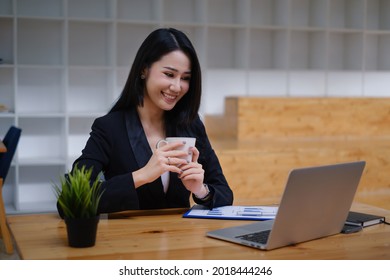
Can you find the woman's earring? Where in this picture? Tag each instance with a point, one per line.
(142, 77)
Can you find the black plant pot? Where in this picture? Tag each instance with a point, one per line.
(82, 231)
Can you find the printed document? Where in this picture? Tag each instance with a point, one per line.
(233, 212)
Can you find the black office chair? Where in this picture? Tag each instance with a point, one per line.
(10, 141)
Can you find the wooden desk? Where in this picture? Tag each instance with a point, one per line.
(169, 236)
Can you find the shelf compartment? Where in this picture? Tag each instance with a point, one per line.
(233, 12)
(89, 90)
(307, 83)
(268, 49)
(376, 84)
(40, 42)
(308, 13)
(197, 37)
(90, 9)
(346, 14)
(5, 124)
(345, 83)
(6, 41)
(127, 49)
(40, 91)
(267, 83)
(7, 89)
(226, 48)
(89, 43)
(35, 189)
(216, 82)
(79, 129)
(146, 10)
(345, 51)
(377, 52)
(42, 141)
(122, 74)
(269, 13)
(308, 50)
(378, 17)
(190, 11)
(6, 8)
(40, 8)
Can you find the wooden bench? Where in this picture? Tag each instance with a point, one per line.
(259, 140)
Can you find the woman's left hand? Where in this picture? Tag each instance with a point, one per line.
(193, 174)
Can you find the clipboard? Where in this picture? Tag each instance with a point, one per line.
(256, 213)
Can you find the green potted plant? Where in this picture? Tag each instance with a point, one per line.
(78, 197)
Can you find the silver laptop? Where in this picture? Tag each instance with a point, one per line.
(315, 204)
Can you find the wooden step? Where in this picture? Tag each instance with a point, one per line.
(223, 126)
(260, 169)
(251, 118)
(259, 140)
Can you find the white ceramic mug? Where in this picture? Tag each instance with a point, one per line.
(188, 143)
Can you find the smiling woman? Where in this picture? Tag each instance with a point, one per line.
(167, 81)
(160, 99)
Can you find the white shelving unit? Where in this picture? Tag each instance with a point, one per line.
(64, 63)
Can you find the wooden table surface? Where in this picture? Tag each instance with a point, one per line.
(166, 235)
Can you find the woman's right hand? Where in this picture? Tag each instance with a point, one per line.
(165, 158)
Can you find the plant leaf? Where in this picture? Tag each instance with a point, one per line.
(79, 196)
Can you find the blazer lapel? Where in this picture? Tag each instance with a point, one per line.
(141, 149)
(137, 138)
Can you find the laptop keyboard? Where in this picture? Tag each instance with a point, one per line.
(258, 237)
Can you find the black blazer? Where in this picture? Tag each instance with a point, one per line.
(117, 146)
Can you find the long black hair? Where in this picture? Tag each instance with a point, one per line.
(159, 43)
